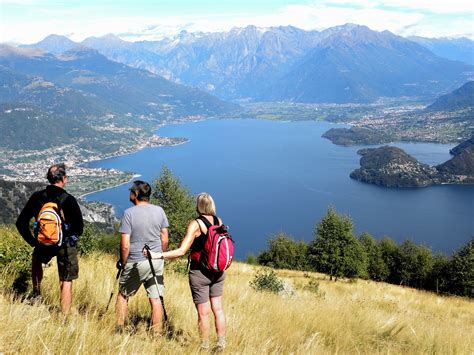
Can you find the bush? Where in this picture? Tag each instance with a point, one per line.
(252, 259)
(284, 253)
(313, 287)
(179, 266)
(88, 241)
(15, 260)
(267, 280)
(109, 243)
(94, 239)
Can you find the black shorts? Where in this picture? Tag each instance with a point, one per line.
(68, 265)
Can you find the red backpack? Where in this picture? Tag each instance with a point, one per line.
(218, 250)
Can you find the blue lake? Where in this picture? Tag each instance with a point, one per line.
(268, 177)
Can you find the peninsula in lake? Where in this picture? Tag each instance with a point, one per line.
(392, 167)
(356, 136)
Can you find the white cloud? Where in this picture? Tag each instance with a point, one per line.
(436, 6)
(317, 16)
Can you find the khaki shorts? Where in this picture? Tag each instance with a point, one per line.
(137, 273)
(205, 284)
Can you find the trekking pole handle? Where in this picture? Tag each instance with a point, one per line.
(148, 249)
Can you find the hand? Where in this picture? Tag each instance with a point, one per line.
(72, 239)
(119, 265)
(152, 254)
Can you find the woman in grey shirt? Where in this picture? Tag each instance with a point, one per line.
(206, 286)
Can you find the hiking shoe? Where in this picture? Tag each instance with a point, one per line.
(205, 345)
(119, 329)
(33, 298)
(220, 344)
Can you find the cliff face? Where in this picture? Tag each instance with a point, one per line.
(392, 167)
(15, 194)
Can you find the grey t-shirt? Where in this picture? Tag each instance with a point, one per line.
(143, 223)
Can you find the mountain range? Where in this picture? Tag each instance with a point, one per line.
(348, 63)
(460, 49)
(460, 99)
(98, 85)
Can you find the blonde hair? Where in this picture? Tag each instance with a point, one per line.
(205, 204)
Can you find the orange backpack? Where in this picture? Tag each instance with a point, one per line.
(49, 224)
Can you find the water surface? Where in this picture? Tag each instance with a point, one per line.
(268, 177)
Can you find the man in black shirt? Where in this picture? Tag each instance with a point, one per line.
(68, 267)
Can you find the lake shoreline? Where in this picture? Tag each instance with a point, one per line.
(260, 162)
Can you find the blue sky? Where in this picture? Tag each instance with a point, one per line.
(27, 21)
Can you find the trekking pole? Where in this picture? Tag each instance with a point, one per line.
(119, 272)
(147, 248)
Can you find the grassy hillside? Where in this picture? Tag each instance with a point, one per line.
(349, 317)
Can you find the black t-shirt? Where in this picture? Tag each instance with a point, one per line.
(70, 207)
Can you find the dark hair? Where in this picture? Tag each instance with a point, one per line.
(56, 173)
(142, 190)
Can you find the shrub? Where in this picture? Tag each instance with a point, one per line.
(313, 287)
(109, 243)
(88, 241)
(15, 260)
(179, 266)
(94, 239)
(284, 253)
(252, 259)
(267, 280)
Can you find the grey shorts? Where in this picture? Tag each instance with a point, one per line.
(205, 284)
(137, 273)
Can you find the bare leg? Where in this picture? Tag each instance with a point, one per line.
(203, 310)
(219, 316)
(66, 296)
(121, 309)
(36, 275)
(156, 315)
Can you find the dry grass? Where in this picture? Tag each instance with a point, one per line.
(360, 317)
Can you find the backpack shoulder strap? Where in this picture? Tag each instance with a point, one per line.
(199, 224)
(60, 202)
(216, 220)
(205, 221)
